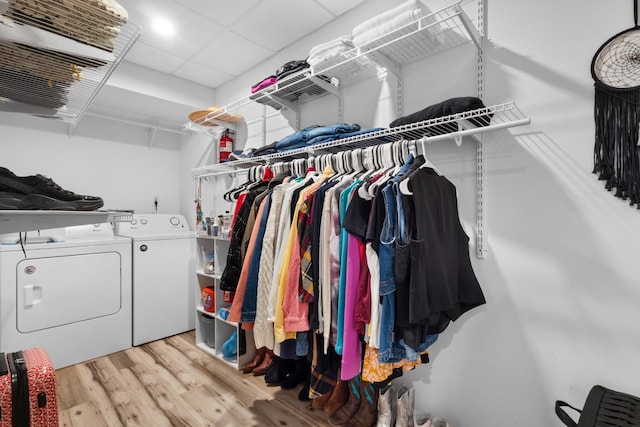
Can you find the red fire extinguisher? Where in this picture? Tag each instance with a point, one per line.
(226, 147)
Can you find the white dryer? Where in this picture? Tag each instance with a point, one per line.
(67, 290)
(164, 279)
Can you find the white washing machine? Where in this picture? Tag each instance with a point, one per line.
(67, 290)
(164, 279)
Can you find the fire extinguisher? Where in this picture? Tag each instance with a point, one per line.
(226, 147)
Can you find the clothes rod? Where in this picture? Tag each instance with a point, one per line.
(468, 132)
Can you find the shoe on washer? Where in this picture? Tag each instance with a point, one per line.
(37, 192)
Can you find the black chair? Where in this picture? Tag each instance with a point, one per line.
(603, 408)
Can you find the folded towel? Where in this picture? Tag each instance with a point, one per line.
(394, 23)
(319, 49)
(336, 52)
(386, 16)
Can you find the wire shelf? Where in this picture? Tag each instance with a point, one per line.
(453, 127)
(13, 221)
(56, 56)
(438, 31)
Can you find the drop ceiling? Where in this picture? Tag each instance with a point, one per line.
(213, 42)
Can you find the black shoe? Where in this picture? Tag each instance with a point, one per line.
(271, 376)
(40, 192)
(303, 395)
(281, 372)
(300, 374)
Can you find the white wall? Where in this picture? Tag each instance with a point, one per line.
(99, 157)
(560, 276)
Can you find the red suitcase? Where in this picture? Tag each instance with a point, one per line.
(27, 389)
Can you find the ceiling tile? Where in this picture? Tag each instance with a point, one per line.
(192, 31)
(154, 58)
(201, 74)
(338, 7)
(275, 24)
(231, 54)
(221, 12)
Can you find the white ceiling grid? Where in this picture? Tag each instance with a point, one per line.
(217, 40)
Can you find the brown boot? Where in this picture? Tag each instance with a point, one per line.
(319, 402)
(338, 398)
(348, 410)
(266, 363)
(249, 367)
(367, 414)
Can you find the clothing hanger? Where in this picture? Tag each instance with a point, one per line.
(404, 186)
(355, 166)
(229, 195)
(387, 166)
(369, 168)
(397, 153)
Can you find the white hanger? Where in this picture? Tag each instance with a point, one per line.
(387, 165)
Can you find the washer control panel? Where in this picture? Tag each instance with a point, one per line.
(153, 223)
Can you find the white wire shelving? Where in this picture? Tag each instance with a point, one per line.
(449, 128)
(14, 221)
(441, 30)
(55, 57)
(429, 35)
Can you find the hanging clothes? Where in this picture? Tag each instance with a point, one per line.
(338, 267)
(233, 267)
(444, 285)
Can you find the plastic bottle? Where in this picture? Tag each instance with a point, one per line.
(198, 215)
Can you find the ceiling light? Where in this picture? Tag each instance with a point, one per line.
(163, 27)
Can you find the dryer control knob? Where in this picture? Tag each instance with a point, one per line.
(174, 220)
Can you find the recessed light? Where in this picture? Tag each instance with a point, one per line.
(163, 27)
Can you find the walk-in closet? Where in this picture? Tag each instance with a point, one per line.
(319, 212)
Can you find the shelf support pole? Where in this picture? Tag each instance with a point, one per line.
(340, 104)
(264, 125)
(399, 94)
(481, 218)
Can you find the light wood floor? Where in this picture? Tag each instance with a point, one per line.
(172, 382)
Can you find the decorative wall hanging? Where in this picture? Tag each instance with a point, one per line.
(615, 69)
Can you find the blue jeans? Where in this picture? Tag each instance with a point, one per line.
(335, 136)
(412, 355)
(334, 129)
(387, 280)
(294, 140)
(390, 349)
(302, 137)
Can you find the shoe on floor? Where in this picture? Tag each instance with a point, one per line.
(280, 371)
(422, 419)
(37, 192)
(387, 406)
(257, 360)
(300, 373)
(439, 422)
(267, 362)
